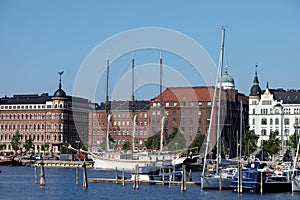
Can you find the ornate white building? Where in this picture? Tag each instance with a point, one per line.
(273, 110)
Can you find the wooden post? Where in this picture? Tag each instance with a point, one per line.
(136, 179)
(85, 183)
(77, 175)
(183, 182)
(42, 178)
(35, 174)
(261, 183)
(163, 175)
(116, 175)
(220, 181)
(240, 179)
(123, 178)
(170, 178)
(190, 175)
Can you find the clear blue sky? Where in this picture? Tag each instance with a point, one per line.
(40, 38)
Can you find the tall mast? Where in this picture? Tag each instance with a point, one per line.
(107, 109)
(161, 101)
(160, 82)
(219, 100)
(241, 128)
(132, 86)
(106, 100)
(132, 105)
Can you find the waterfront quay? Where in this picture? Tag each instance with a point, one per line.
(58, 163)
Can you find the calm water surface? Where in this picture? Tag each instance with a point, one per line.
(19, 183)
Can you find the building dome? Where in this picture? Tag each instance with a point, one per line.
(227, 80)
(255, 89)
(59, 93)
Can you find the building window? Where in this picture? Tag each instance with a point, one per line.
(191, 112)
(207, 121)
(277, 121)
(207, 112)
(286, 121)
(253, 121)
(271, 121)
(263, 132)
(263, 121)
(253, 111)
(208, 103)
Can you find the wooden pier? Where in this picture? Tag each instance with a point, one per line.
(154, 182)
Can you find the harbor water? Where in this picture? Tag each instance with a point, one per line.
(20, 183)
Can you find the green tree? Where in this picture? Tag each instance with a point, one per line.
(28, 144)
(45, 147)
(153, 142)
(294, 140)
(126, 145)
(2, 146)
(249, 142)
(198, 141)
(64, 148)
(176, 140)
(16, 141)
(272, 146)
(84, 148)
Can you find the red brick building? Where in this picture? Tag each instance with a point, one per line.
(121, 117)
(189, 109)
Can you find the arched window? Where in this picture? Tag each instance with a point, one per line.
(276, 121)
(271, 121)
(264, 121)
(263, 132)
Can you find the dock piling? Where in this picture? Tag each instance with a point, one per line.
(117, 175)
(183, 182)
(240, 184)
(35, 174)
(42, 175)
(170, 178)
(123, 178)
(77, 176)
(85, 183)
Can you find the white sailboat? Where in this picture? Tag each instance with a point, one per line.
(221, 178)
(112, 160)
(296, 172)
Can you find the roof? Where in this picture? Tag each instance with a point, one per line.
(288, 96)
(125, 105)
(26, 99)
(201, 93)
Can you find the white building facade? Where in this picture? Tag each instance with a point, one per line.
(274, 110)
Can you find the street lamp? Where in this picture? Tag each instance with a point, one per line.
(279, 106)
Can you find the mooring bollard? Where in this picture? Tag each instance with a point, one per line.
(183, 182)
(77, 175)
(123, 178)
(85, 184)
(35, 174)
(42, 178)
